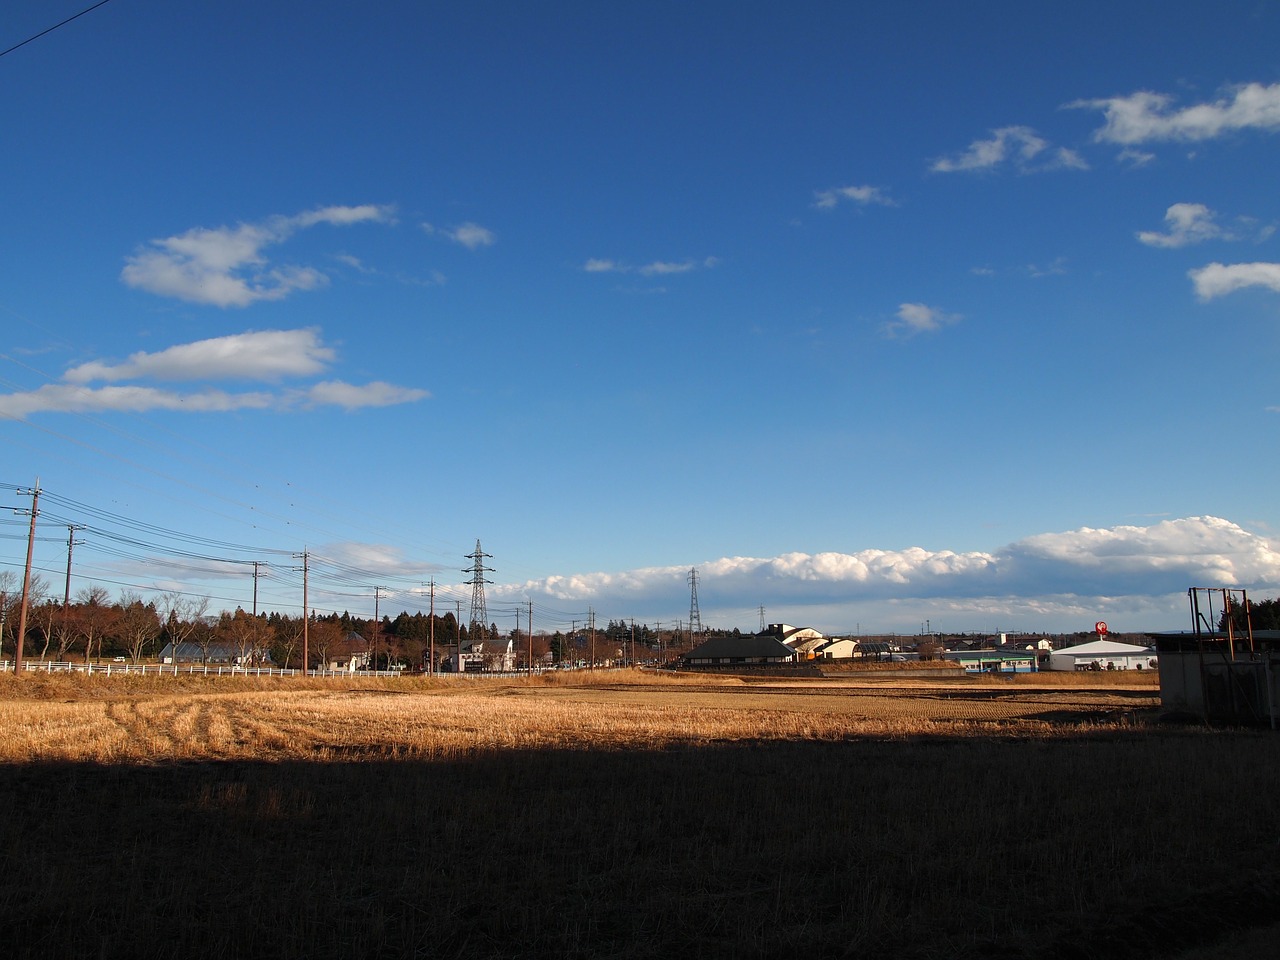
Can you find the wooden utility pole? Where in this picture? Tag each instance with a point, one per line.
(531, 638)
(256, 565)
(306, 617)
(431, 628)
(373, 644)
(66, 589)
(26, 581)
(457, 664)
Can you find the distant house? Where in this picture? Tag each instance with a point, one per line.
(353, 655)
(994, 661)
(349, 663)
(493, 654)
(841, 648)
(791, 636)
(758, 649)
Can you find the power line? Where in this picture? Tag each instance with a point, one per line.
(54, 27)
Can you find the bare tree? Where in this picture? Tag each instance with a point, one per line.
(9, 600)
(93, 617)
(58, 628)
(183, 617)
(247, 633)
(289, 633)
(139, 624)
(36, 593)
(325, 636)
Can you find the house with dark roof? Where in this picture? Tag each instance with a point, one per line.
(759, 649)
(792, 636)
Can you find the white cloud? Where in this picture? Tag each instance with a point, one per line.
(661, 267)
(470, 235)
(261, 355)
(913, 318)
(225, 266)
(343, 216)
(657, 268)
(1136, 158)
(1188, 223)
(1020, 146)
(1219, 279)
(1144, 117)
(1069, 577)
(71, 398)
(336, 393)
(862, 196)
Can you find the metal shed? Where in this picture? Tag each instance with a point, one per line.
(1222, 671)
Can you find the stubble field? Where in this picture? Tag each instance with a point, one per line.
(627, 815)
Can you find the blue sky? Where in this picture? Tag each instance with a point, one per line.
(875, 314)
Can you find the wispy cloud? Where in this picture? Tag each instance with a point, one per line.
(914, 318)
(862, 196)
(1018, 146)
(1146, 117)
(267, 356)
(469, 235)
(257, 355)
(1219, 279)
(656, 268)
(226, 266)
(1056, 267)
(350, 396)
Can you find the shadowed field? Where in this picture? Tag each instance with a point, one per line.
(625, 819)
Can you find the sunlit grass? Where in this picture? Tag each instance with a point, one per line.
(145, 720)
(621, 815)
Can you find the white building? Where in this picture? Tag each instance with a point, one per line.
(1103, 655)
(839, 649)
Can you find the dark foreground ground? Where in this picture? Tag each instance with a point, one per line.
(1122, 846)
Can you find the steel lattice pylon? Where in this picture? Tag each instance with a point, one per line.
(695, 617)
(479, 615)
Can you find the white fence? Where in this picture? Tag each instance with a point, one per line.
(223, 670)
(179, 669)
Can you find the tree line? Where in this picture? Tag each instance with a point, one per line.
(92, 625)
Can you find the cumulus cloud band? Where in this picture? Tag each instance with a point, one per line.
(1096, 566)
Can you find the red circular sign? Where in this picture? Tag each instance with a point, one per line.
(1100, 626)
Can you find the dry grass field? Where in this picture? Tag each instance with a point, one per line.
(628, 815)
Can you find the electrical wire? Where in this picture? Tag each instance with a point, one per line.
(50, 30)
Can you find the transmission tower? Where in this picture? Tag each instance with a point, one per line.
(695, 618)
(479, 615)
